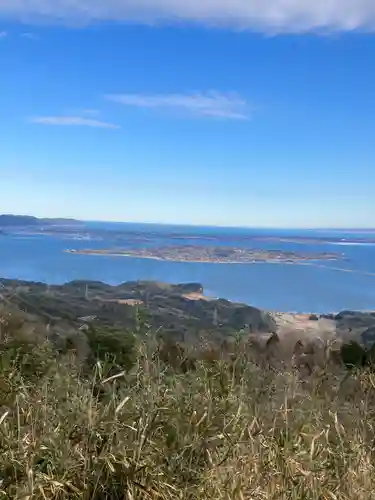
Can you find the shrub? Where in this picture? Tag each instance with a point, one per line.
(215, 432)
(353, 355)
(113, 346)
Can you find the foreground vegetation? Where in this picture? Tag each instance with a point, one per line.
(121, 423)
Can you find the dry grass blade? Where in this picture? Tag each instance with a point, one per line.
(4, 416)
(221, 430)
(122, 404)
(113, 377)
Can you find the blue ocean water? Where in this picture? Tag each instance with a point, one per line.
(279, 287)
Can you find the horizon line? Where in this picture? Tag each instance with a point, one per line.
(214, 226)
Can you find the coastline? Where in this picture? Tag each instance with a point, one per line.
(302, 262)
(202, 261)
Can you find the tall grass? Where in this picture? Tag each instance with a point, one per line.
(225, 430)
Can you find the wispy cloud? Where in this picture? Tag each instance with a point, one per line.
(30, 36)
(209, 105)
(3, 34)
(259, 15)
(72, 121)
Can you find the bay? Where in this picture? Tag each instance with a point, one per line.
(278, 287)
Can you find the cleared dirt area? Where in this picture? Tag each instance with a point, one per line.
(130, 302)
(196, 296)
(301, 326)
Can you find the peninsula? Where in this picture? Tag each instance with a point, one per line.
(211, 254)
(28, 221)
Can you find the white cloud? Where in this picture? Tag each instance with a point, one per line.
(73, 121)
(30, 36)
(259, 15)
(209, 105)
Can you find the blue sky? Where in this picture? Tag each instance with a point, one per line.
(223, 112)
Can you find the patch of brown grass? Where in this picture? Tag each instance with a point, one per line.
(227, 430)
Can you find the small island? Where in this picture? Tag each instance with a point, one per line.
(212, 254)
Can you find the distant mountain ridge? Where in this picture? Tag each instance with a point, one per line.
(10, 220)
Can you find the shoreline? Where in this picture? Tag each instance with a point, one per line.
(311, 263)
(166, 259)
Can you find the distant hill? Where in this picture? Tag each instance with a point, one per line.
(18, 220)
(10, 220)
(179, 310)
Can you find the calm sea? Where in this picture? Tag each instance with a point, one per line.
(269, 286)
